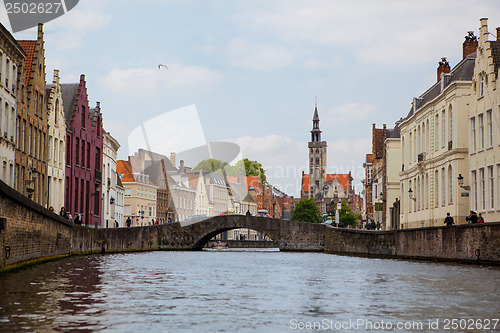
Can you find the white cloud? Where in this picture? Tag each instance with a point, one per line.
(347, 113)
(386, 31)
(148, 81)
(259, 56)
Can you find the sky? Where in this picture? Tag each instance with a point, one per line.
(248, 72)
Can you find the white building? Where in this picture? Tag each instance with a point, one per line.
(12, 58)
(120, 203)
(434, 148)
(56, 153)
(483, 174)
(109, 185)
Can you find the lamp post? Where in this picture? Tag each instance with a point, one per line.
(461, 182)
(410, 195)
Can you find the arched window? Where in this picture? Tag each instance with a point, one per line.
(450, 180)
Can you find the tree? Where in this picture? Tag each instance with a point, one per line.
(307, 211)
(346, 217)
(249, 168)
(210, 165)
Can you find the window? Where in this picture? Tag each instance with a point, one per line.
(443, 187)
(482, 189)
(68, 150)
(443, 130)
(88, 155)
(83, 154)
(411, 148)
(491, 185)
(481, 84)
(481, 131)
(436, 133)
(56, 111)
(77, 151)
(436, 188)
(474, 190)
(489, 129)
(450, 184)
(450, 126)
(83, 116)
(473, 134)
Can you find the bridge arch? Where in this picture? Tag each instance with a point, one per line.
(287, 235)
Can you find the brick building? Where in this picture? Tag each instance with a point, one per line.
(84, 144)
(32, 121)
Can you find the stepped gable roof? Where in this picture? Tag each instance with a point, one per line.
(28, 47)
(69, 95)
(495, 52)
(463, 71)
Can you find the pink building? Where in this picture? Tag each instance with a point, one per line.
(84, 140)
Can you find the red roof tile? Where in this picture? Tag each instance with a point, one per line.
(29, 47)
(343, 178)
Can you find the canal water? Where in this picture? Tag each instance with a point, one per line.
(248, 291)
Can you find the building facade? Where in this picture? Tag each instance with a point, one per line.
(12, 57)
(140, 195)
(482, 180)
(32, 121)
(434, 149)
(109, 185)
(56, 149)
(84, 145)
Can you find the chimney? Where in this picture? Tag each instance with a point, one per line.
(470, 44)
(172, 159)
(181, 167)
(443, 68)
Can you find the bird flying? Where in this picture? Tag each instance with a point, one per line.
(160, 65)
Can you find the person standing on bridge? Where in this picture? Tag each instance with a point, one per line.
(448, 220)
(128, 222)
(248, 213)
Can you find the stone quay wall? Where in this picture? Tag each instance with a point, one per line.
(29, 233)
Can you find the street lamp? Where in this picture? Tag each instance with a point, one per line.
(461, 182)
(410, 194)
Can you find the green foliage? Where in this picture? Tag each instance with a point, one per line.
(307, 211)
(244, 166)
(210, 165)
(346, 217)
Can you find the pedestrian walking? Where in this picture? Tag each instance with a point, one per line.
(448, 220)
(128, 222)
(480, 218)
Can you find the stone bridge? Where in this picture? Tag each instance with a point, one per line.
(286, 235)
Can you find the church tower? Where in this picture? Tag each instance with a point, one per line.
(317, 158)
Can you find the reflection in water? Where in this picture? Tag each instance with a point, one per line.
(237, 292)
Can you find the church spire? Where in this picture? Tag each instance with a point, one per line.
(316, 132)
